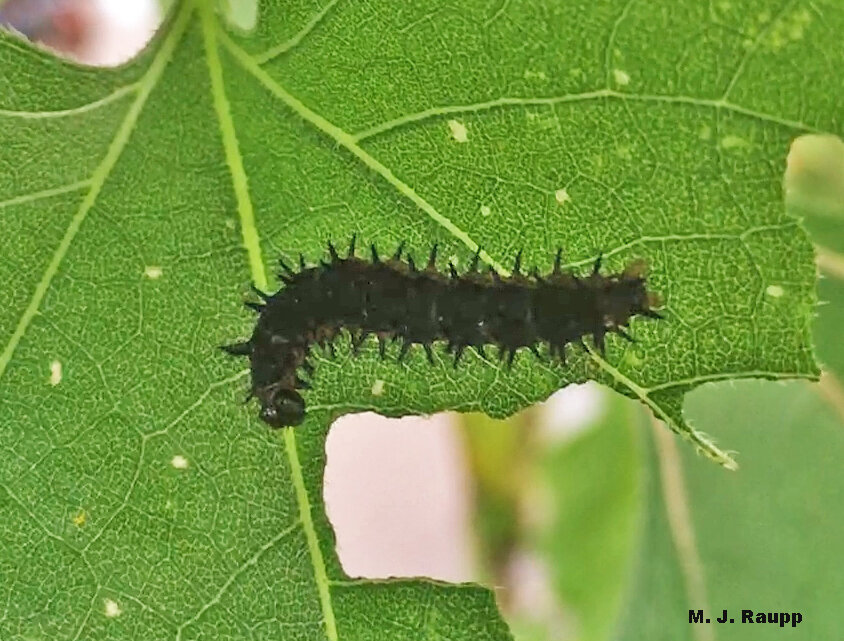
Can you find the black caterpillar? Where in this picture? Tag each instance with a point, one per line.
(393, 299)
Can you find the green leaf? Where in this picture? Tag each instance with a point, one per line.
(761, 540)
(604, 181)
(141, 498)
(595, 488)
(643, 531)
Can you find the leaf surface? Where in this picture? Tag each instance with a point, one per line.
(128, 196)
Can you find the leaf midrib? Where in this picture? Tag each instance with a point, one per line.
(251, 241)
(348, 142)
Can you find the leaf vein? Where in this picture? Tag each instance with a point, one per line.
(34, 518)
(284, 47)
(211, 31)
(45, 193)
(348, 141)
(724, 376)
(586, 96)
(703, 443)
(149, 436)
(117, 94)
(498, 13)
(751, 51)
(611, 40)
(250, 562)
(98, 179)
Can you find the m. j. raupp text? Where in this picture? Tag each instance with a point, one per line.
(750, 616)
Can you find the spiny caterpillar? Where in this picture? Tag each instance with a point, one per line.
(394, 299)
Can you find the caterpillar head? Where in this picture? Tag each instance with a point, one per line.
(281, 407)
(627, 296)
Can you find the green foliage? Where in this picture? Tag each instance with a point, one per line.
(760, 540)
(638, 531)
(140, 498)
(595, 505)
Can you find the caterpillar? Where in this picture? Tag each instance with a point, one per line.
(395, 299)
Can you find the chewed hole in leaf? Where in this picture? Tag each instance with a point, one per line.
(395, 492)
(465, 497)
(399, 491)
(103, 33)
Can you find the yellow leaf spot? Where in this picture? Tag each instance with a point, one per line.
(733, 142)
(378, 387)
(774, 291)
(112, 609)
(179, 462)
(458, 130)
(55, 373)
(535, 75)
(622, 78)
(562, 196)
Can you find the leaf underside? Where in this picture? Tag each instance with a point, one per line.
(127, 197)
